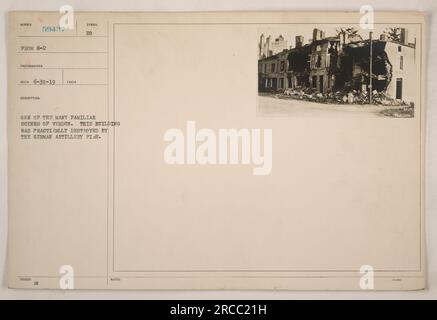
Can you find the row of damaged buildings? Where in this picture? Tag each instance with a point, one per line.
(339, 63)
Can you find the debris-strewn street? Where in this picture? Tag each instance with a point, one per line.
(274, 106)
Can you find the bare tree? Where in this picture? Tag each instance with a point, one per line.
(394, 34)
(350, 31)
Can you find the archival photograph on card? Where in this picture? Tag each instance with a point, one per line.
(217, 151)
(338, 70)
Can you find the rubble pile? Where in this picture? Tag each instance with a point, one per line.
(340, 97)
(403, 112)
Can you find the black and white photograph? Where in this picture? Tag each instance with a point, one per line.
(338, 70)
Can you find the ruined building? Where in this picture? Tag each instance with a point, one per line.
(340, 63)
(268, 48)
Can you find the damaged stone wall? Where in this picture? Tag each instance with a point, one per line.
(356, 67)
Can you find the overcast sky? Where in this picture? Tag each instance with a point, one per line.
(289, 32)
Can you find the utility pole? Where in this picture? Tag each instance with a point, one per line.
(371, 69)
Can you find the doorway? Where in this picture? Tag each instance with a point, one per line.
(321, 84)
(399, 88)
